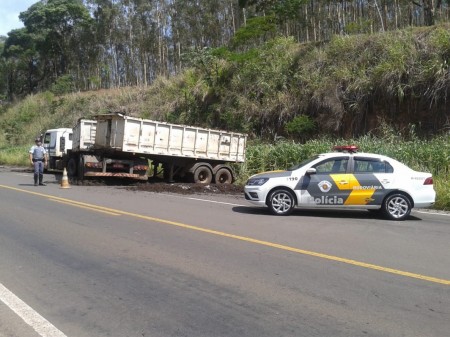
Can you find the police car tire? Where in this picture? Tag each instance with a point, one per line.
(281, 202)
(397, 207)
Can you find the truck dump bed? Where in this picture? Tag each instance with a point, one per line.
(84, 135)
(141, 136)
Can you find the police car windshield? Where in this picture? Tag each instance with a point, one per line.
(303, 163)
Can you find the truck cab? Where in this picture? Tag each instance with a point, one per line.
(57, 142)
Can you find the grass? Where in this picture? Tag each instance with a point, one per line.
(14, 156)
(442, 187)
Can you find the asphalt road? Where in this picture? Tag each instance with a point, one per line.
(106, 261)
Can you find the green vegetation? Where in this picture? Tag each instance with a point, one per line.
(346, 88)
(386, 92)
(15, 156)
(93, 44)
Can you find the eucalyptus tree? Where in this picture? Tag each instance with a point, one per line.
(105, 13)
(60, 30)
(319, 20)
(21, 65)
(202, 24)
(3, 70)
(131, 36)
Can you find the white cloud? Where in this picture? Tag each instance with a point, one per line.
(9, 13)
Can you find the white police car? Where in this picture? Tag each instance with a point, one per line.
(344, 179)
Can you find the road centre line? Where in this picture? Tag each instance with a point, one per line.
(251, 240)
(43, 327)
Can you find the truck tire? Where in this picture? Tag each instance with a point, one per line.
(72, 167)
(223, 176)
(203, 175)
(80, 169)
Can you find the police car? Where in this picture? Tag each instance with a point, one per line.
(344, 179)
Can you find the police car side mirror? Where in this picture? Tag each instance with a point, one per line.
(311, 171)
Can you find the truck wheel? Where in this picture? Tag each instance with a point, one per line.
(81, 168)
(72, 167)
(223, 176)
(203, 175)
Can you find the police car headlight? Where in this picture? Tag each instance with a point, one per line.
(257, 181)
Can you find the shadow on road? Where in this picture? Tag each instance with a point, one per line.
(321, 213)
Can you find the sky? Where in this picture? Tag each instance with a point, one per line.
(9, 14)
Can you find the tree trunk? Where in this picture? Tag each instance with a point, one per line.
(428, 12)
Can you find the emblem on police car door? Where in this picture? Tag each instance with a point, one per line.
(325, 186)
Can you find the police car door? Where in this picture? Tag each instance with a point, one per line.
(328, 186)
(373, 178)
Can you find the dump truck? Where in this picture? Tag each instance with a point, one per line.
(115, 145)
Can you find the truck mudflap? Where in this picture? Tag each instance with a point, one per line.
(116, 175)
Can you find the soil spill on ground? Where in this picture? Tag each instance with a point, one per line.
(152, 185)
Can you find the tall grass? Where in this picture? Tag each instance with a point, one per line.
(422, 155)
(442, 187)
(14, 156)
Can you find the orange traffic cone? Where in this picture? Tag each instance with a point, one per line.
(65, 180)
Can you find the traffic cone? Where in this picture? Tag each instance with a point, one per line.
(65, 180)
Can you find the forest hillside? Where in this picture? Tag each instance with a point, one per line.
(280, 89)
(274, 69)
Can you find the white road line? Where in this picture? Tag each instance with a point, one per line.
(215, 202)
(199, 199)
(43, 327)
(434, 213)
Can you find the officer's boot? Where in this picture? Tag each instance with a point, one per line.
(35, 179)
(41, 176)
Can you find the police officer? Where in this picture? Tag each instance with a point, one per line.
(38, 158)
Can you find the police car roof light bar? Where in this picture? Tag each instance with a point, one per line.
(346, 148)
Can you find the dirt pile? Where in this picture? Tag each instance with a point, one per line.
(184, 188)
(157, 186)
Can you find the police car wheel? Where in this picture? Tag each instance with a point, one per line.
(397, 207)
(281, 202)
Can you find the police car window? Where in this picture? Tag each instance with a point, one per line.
(303, 163)
(368, 165)
(389, 168)
(334, 165)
